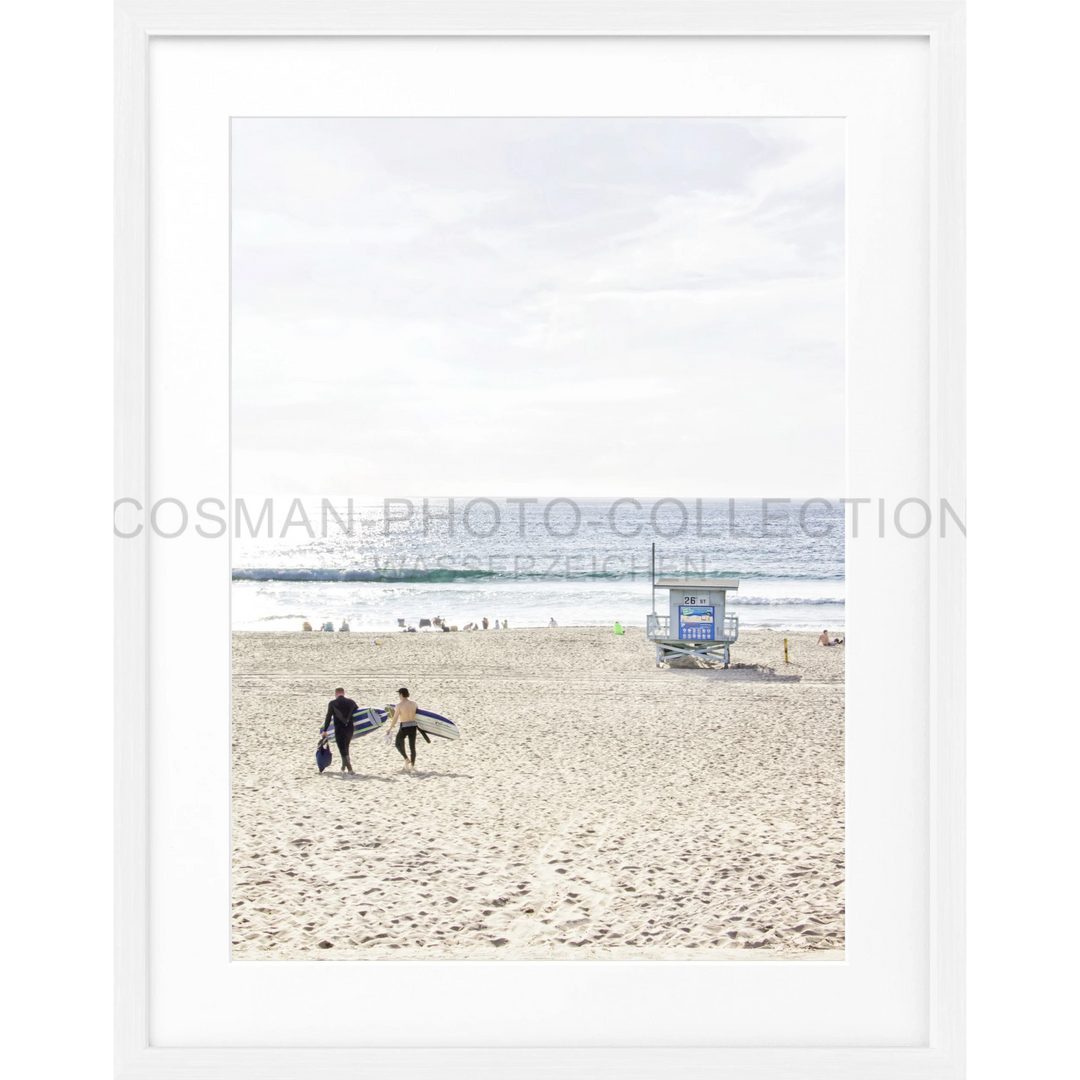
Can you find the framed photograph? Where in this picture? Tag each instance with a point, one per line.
(539, 539)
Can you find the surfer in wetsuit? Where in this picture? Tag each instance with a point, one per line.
(340, 711)
(405, 718)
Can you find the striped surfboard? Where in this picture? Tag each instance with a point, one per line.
(434, 724)
(365, 721)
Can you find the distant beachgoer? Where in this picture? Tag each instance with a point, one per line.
(553, 622)
(405, 718)
(485, 622)
(344, 627)
(401, 623)
(306, 626)
(340, 711)
(506, 625)
(824, 639)
(328, 627)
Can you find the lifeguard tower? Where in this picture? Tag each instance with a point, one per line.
(697, 623)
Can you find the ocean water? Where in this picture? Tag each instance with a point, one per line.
(583, 562)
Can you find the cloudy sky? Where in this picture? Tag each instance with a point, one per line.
(512, 307)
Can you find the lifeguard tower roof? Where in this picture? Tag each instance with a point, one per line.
(697, 583)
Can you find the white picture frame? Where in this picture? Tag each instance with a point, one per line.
(942, 24)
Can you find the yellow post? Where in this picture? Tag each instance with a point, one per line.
(786, 660)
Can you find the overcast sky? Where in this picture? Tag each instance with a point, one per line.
(538, 307)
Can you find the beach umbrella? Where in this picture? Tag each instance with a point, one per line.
(323, 757)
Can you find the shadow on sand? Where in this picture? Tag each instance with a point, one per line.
(749, 673)
(420, 773)
(350, 777)
(394, 776)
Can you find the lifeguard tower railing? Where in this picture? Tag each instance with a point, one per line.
(658, 628)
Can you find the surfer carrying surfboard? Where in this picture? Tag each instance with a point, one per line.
(405, 718)
(340, 711)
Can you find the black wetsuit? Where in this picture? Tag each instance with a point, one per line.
(341, 710)
(406, 731)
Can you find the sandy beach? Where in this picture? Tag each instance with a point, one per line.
(596, 807)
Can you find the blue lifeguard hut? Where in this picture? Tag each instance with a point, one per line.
(697, 623)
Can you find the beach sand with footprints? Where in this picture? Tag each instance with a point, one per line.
(595, 807)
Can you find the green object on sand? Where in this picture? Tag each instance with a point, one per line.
(619, 629)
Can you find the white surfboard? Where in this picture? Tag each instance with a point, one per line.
(433, 724)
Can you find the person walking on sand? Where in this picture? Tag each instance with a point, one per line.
(405, 718)
(340, 711)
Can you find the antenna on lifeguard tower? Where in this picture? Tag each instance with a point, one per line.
(652, 576)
